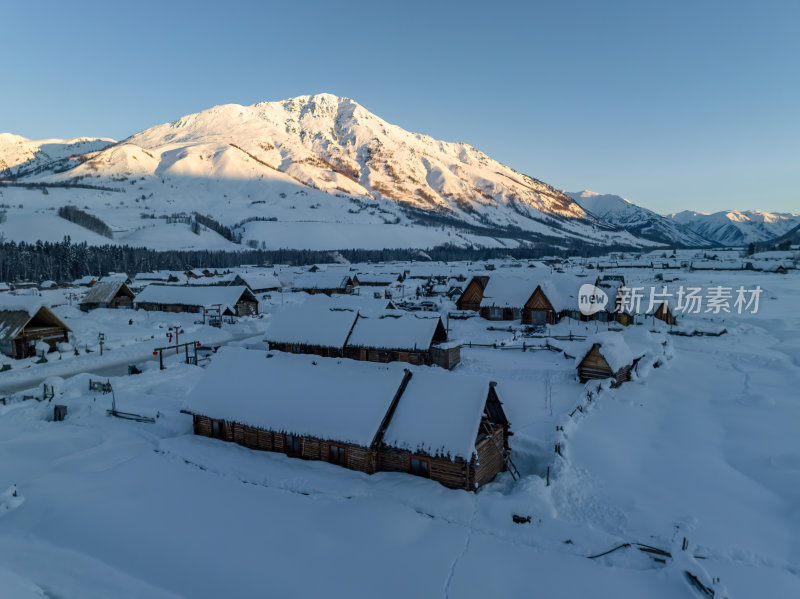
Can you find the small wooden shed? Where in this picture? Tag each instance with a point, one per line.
(471, 297)
(606, 356)
(26, 321)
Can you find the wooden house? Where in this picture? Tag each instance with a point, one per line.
(313, 327)
(605, 356)
(471, 297)
(365, 417)
(147, 278)
(377, 279)
(108, 294)
(232, 300)
(24, 322)
(418, 338)
(327, 282)
(663, 312)
(259, 282)
(531, 299)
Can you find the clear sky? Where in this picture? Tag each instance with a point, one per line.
(674, 105)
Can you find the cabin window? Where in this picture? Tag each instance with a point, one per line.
(495, 313)
(419, 466)
(336, 454)
(217, 430)
(516, 314)
(292, 444)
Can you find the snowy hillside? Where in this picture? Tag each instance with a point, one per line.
(639, 221)
(306, 161)
(731, 227)
(20, 156)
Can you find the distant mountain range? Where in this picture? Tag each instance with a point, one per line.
(732, 227)
(311, 172)
(637, 220)
(727, 228)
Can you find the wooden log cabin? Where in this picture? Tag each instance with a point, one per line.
(332, 328)
(108, 294)
(313, 327)
(26, 321)
(663, 313)
(365, 417)
(472, 296)
(258, 282)
(326, 282)
(418, 338)
(232, 300)
(533, 299)
(606, 356)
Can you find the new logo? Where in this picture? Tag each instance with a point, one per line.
(591, 299)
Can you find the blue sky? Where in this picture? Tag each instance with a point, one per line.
(680, 105)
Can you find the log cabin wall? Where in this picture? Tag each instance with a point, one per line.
(453, 474)
(472, 296)
(316, 350)
(491, 459)
(311, 448)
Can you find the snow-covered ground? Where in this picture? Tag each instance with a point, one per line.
(702, 447)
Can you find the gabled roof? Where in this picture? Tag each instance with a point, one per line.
(612, 347)
(203, 296)
(508, 291)
(439, 414)
(311, 323)
(103, 292)
(329, 279)
(336, 400)
(257, 281)
(399, 331)
(17, 311)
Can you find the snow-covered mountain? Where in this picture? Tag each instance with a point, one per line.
(313, 171)
(20, 157)
(620, 212)
(732, 227)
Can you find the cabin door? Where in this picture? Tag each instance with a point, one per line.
(538, 317)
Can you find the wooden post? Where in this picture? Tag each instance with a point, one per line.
(161, 359)
(548, 476)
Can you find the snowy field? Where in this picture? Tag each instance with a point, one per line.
(701, 445)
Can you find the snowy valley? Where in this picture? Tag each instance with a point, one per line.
(684, 477)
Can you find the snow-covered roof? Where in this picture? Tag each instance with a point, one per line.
(514, 291)
(336, 400)
(613, 348)
(192, 296)
(377, 278)
(562, 290)
(329, 279)
(102, 292)
(311, 323)
(162, 275)
(508, 291)
(17, 311)
(396, 331)
(224, 279)
(21, 303)
(438, 414)
(84, 280)
(258, 281)
(365, 304)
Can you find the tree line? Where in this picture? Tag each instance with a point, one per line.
(65, 261)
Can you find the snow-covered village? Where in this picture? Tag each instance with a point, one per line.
(255, 341)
